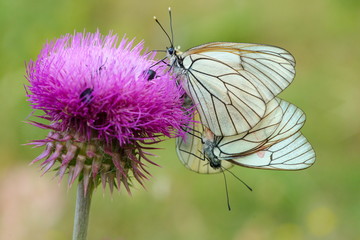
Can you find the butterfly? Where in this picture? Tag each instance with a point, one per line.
(274, 143)
(231, 83)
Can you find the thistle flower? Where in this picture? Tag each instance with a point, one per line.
(104, 106)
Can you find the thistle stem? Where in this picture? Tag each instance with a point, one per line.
(82, 210)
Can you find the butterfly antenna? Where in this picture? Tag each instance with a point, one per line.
(171, 27)
(238, 179)
(157, 21)
(227, 192)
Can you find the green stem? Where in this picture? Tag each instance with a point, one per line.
(82, 210)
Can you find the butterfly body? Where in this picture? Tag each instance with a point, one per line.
(208, 149)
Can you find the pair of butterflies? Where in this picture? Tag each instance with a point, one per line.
(240, 120)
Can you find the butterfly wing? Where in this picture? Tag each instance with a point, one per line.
(228, 147)
(274, 143)
(286, 148)
(271, 69)
(227, 102)
(293, 120)
(293, 153)
(282, 121)
(230, 83)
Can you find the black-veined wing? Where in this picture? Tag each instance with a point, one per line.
(293, 120)
(274, 143)
(227, 147)
(286, 148)
(293, 153)
(198, 151)
(190, 150)
(228, 104)
(282, 120)
(271, 69)
(287, 121)
(230, 83)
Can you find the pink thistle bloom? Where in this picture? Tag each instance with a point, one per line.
(103, 104)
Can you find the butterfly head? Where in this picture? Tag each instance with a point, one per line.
(171, 54)
(174, 55)
(171, 51)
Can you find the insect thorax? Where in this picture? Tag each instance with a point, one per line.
(208, 147)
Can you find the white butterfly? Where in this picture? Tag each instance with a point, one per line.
(274, 143)
(231, 83)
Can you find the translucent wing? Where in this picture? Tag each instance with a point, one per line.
(293, 120)
(227, 147)
(274, 143)
(286, 148)
(283, 120)
(293, 153)
(230, 83)
(270, 68)
(190, 151)
(228, 104)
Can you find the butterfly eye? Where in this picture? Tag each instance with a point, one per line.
(215, 164)
(150, 74)
(86, 96)
(171, 51)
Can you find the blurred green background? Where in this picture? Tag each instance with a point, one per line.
(322, 202)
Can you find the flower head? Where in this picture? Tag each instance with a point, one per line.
(104, 103)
